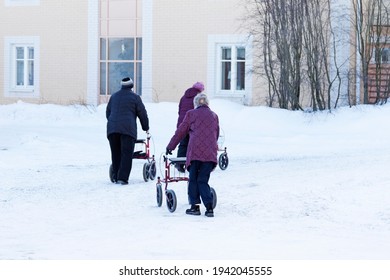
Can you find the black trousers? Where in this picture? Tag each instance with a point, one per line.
(198, 184)
(182, 149)
(182, 152)
(122, 149)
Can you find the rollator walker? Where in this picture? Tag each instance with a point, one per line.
(170, 176)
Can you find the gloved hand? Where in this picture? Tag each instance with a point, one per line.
(168, 152)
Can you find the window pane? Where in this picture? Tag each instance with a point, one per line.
(103, 79)
(121, 49)
(385, 55)
(226, 53)
(31, 73)
(240, 76)
(139, 49)
(20, 73)
(225, 81)
(30, 52)
(240, 53)
(116, 72)
(103, 48)
(139, 79)
(19, 53)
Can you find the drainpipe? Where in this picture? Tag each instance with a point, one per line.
(357, 71)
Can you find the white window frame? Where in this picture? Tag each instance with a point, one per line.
(9, 3)
(233, 71)
(10, 87)
(214, 76)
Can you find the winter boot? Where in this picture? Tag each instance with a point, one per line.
(209, 210)
(194, 210)
(122, 182)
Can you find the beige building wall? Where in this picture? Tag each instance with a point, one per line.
(176, 45)
(61, 29)
(181, 39)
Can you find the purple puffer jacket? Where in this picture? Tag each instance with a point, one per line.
(186, 103)
(203, 126)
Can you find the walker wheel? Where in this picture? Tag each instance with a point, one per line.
(159, 195)
(171, 200)
(111, 174)
(145, 172)
(214, 196)
(152, 170)
(223, 161)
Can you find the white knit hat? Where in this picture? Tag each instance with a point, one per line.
(201, 99)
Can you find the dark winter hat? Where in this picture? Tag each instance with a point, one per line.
(201, 99)
(199, 86)
(127, 81)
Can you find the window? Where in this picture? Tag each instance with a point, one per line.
(385, 55)
(21, 62)
(119, 58)
(226, 67)
(240, 73)
(232, 68)
(24, 67)
(382, 55)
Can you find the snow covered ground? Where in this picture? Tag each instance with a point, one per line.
(298, 186)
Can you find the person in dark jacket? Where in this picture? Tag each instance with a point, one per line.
(123, 109)
(186, 103)
(202, 124)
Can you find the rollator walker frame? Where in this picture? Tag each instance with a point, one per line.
(171, 200)
(223, 159)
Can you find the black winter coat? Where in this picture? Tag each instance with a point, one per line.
(122, 111)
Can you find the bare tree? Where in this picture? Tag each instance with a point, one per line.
(282, 50)
(296, 43)
(316, 51)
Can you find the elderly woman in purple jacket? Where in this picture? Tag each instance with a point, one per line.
(186, 103)
(202, 125)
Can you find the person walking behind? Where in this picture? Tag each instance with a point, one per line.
(123, 109)
(202, 124)
(186, 103)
